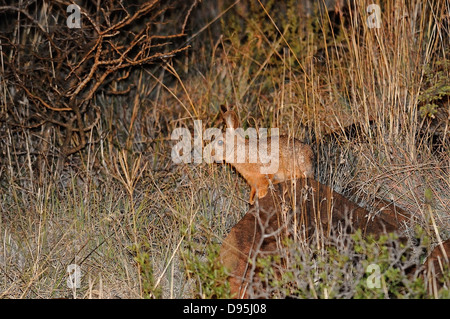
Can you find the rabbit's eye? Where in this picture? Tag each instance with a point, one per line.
(220, 142)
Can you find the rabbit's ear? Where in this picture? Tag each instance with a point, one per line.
(224, 109)
(231, 119)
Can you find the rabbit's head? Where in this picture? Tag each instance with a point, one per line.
(229, 144)
(229, 117)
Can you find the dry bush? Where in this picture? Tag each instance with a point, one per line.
(52, 74)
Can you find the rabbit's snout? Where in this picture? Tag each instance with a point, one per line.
(213, 150)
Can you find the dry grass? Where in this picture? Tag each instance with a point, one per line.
(130, 217)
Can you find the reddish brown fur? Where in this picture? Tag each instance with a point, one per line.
(295, 160)
(434, 265)
(250, 236)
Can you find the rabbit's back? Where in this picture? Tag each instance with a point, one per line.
(296, 160)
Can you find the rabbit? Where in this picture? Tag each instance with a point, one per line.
(293, 159)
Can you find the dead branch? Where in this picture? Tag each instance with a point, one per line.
(56, 72)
